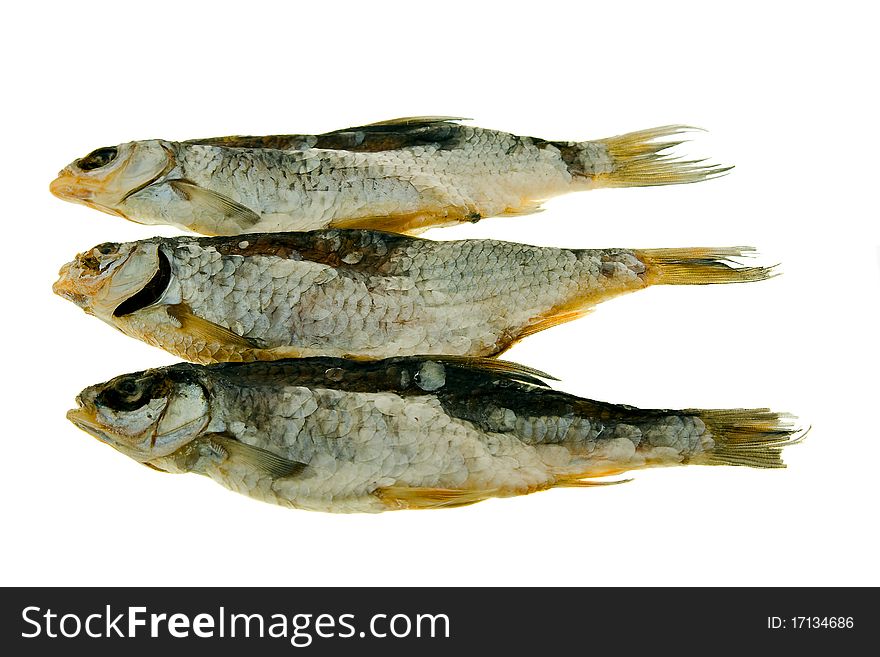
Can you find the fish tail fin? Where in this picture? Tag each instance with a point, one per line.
(748, 437)
(626, 271)
(638, 159)
(633, 439)
(701, 266)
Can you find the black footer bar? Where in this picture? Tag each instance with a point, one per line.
(319, 621)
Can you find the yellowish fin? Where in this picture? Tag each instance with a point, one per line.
(202, 329)
(559, 315)
(406, 497)
(587, 481)
(638, 160)
(528, 207)
(406, 224)
(748, 437)
(701, 266)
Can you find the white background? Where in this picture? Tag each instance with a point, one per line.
(786, 91)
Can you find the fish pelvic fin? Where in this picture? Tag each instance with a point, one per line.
(701, 266)
(589, 479)
(638, 159)
(405, 224)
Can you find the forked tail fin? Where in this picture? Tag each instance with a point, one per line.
(748, 437)
(752, 438)
(701, 266)
(626, 271)
(638, 160)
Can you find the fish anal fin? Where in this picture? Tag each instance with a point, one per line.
(554, 317)
(242, 217)
(573, 309)
(206, 330)
(408, 497)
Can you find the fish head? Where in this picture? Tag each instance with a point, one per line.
(145, 415)
(104, 178)
(101, 279)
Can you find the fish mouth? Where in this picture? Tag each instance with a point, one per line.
(82, 283)
(66, 288)
(66, 187)
(69, 187)
(84, 418)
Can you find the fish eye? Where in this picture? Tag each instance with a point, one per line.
(98, 158)
(126, 394)
(96, 259)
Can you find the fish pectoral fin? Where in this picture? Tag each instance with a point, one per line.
(240, 215)
(408, 497)
(206, 330)
(257, 458)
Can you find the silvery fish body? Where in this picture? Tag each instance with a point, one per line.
(403, 175)
(361, 293)
(408, 433)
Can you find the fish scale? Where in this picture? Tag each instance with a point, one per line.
(415, 432)
(298, 294)
(403, 175)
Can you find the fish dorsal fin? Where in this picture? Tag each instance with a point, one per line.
(407, 497)
(243, 217)
(203, 329)
(502, 368)
(394, 135)
(257, 458)
(412, 121)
